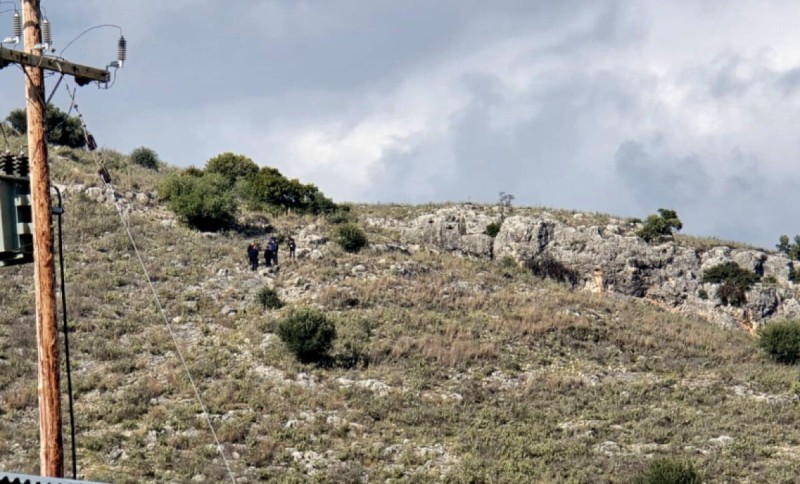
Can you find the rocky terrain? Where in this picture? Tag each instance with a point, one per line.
(610, 258)
(464, 366)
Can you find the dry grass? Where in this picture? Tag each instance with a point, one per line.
(472, 371)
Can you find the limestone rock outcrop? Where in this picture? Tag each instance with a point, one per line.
(611, 259)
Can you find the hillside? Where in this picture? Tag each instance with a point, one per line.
(477, 370)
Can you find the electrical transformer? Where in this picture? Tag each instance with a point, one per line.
(16, 217)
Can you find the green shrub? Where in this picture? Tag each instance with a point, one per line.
(660, 225)
(60, 129)
(508, 262)
(794, 275)
(734, 282)
(232, 167)
(492, 229)
(546, 267)
(145, 157)
(350, 237)
(193, 171)
(202, 202)
(669, 471)
(341, 215)
(308, 334)
(702, 294)
(792, 250)
(268, 298)
(781, 341)
(270, 189)
(730, 272)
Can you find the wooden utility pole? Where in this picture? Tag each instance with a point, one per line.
(34, 62)
(51, 449)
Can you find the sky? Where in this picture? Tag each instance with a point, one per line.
(616, 106)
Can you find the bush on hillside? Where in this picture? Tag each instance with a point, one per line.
(341, 215)
(232, 167)
(492, 229)
(730, 272)
(270, 189)
(781, 341)
(734, 282)
(145, 157)
(60, 129)
(202, 202)
(350, 237)
(308, 334)
(546, 267)
(669, 471)
(792, 250)
(657, 226)
(269, 298)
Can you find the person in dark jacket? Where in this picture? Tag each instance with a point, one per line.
(292, 247)
(273, 247)
(268, 256)
(252, 255)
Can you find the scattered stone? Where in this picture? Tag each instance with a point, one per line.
(142, 199)
(721, 441)
(608, 448)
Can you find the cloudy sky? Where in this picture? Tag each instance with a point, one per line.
(620, 106)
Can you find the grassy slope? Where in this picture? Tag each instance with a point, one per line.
(479, 373)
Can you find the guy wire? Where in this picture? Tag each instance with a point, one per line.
(157, 299)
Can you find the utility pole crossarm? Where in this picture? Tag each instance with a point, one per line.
(53, 64)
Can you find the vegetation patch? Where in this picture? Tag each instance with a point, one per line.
(492, 229)
(60, 129)
(352, 347)
(791, 249)
(781, 341)
(308, 334)
(351, 237)
(734, 282)
(794, 275)
(145, 157)
(547, 267)
(202, 202)
(269, 298)
(660, 225)
(669, 471)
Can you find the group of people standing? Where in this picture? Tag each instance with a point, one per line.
(270, 252)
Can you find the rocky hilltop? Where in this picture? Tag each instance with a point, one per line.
(611, 259)
(607, 258)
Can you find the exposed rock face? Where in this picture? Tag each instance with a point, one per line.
(612, 259)
(455, 229)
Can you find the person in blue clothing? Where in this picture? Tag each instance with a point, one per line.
(252, 255)
(272, 246)
(268, 255)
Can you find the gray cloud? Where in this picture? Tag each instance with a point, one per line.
(661, 179)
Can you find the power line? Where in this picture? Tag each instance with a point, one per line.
(108, 184)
